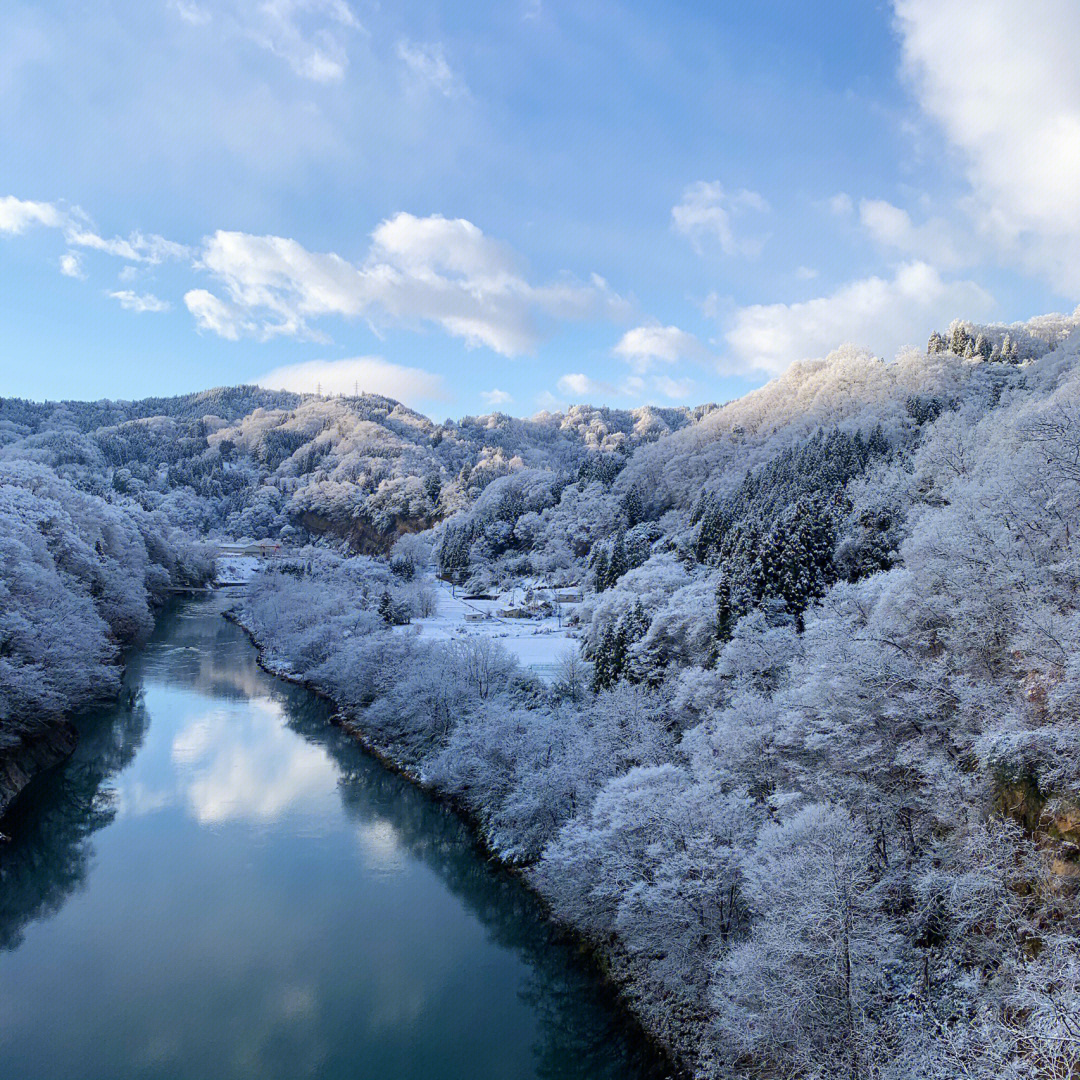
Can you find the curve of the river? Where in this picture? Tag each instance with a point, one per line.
(220, 884)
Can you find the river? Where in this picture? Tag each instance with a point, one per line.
(220, 884)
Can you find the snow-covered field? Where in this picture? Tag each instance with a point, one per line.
(232, 569)
(538, 643)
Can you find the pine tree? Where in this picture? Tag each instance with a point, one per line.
(619, 562)
(386, 607)
(604, 675)
(1010, 353)
(959, 341)
(600, 569)
(632, 507)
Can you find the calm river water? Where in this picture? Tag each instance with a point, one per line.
(221, 885)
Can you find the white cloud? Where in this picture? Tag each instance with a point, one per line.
(875, 312)
(368, 374)
(191, 13)
(496, 397)
(245, 765)
(151, 249)
(579, 385)
(132, 301)
(935, 240)
(307, 34)
(428, 65)
(418, 270)
(432, 269)
(706, 213)
(1014, 115)
(216, 315)
(71, 266)
(643, 345)
(840, 204)
(676, 389)
(17, 215)
(583, 386)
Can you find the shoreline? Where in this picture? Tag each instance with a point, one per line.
(605, 959)
(31, 758)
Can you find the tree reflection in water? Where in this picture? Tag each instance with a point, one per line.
(53, 820)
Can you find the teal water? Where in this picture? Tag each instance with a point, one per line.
(219, 884)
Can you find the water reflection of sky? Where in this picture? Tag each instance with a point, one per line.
(268, 902)
(235, 761)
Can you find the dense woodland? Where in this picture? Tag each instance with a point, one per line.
(813, 784)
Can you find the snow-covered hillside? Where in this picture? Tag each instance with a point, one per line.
(778, 703)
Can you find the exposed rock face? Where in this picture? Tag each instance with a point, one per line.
(20, 764)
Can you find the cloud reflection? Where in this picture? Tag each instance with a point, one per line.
(243, 764)
(381, 845)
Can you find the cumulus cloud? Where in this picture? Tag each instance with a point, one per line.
(431, 269)
(644, 345)
(217, 316)
(71, 265)
(132, 301)
(496, 397)
(705, 216)
(17, 215)
(879, 313)
(437, 270)
(1014, 115)
(428, 66)
(366, 374)
(934, 240)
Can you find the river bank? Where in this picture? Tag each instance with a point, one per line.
(32, 755)
(612, 963)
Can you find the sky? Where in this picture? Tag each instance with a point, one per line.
(519, 205)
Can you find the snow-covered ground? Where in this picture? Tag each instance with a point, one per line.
(538, 643)
(232, 569)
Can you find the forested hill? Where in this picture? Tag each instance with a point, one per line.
(816, 796)
(815, 791)
(269, 463)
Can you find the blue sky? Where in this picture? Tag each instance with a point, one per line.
(521, 204)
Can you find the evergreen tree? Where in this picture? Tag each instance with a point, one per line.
(619, 563)
(959, 340)
(600, 569)
(386, 607)
(632, 507)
